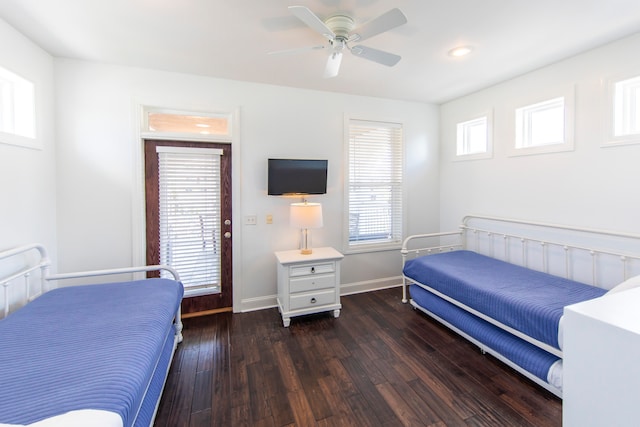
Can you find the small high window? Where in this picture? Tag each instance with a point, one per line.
(626, 107)
(540, 124)
(473, 138)
(545, 126)
(17, 109)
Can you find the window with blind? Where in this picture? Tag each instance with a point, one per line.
(374, 184)
(189, 214)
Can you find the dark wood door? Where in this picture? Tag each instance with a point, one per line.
(208, 299)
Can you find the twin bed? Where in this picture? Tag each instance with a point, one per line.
(503, 284)
(85, 355)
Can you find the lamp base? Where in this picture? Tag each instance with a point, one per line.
(305, 241)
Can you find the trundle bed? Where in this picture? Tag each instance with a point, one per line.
(503, 284)
(84, 355)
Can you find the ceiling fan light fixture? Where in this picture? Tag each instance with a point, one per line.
(460, 51)
(341, 25)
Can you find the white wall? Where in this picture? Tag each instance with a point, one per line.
(99, 167)
(27, 175)
(590, 186)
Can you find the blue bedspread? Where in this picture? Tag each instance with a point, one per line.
(85, 347)
(529, 301)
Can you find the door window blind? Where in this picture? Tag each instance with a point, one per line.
(374, 184)
(189, 213)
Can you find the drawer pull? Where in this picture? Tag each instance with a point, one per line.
(313, 269)
(313, 300)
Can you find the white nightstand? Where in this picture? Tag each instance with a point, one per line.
(308, 283)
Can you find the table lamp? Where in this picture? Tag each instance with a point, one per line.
(305, 216)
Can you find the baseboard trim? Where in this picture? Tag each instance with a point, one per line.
(261, 303)
(205, 313)
(370, 285)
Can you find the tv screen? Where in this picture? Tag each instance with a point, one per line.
(296, 176)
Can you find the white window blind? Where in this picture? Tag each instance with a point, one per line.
(374, 183)
(190, 218)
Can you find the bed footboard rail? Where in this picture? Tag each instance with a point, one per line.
(112, 271)
(428, 244)
(20, 266)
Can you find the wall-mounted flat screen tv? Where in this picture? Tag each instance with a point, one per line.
(296, 176)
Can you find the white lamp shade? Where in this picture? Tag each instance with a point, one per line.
(305, 215)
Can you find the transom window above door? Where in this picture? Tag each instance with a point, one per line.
(186, 124)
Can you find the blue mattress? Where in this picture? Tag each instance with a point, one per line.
(88, 347)
(526, 355)
(529, 301)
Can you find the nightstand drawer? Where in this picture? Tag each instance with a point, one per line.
(305, 270)
(313, 282)
(312, 299)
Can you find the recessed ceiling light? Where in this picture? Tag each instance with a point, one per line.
(460, 51)
(202, 125)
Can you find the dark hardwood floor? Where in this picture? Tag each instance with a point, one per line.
(381, 363)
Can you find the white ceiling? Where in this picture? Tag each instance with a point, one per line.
(231, 38)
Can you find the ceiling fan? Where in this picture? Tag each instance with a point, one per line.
(339, 31)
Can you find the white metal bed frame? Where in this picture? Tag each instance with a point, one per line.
(43, 264)
(618, 262)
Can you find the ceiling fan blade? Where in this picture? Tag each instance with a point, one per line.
(385, 22)
(333, 65)
(308, 17)
(375, 55)
(296, 50)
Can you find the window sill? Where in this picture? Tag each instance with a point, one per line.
(20, 141)
(367, 248)
(472, 156)
(620, 141)
(188, 293)
(541, 149)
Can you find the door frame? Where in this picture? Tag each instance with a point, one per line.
(207, 302)
(138, 222)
